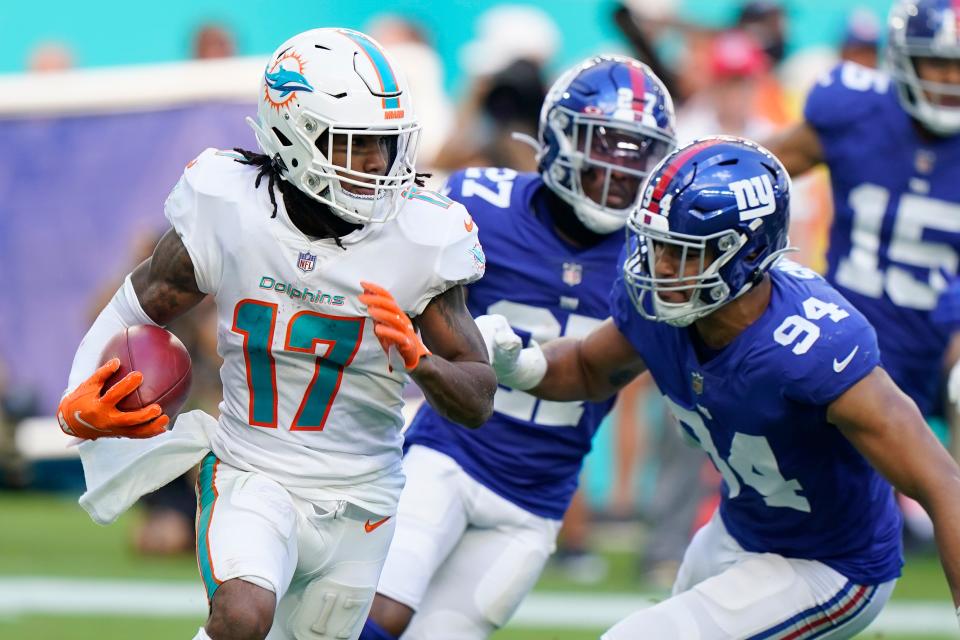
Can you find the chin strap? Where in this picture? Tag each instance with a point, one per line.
(278, 164)
(757, 276)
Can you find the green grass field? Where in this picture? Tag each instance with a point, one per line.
(38, 531)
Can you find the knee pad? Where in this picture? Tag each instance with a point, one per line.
(330, 611)
(754, 580)
(503, 587)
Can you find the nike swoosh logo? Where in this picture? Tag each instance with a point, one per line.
(840, 365)
(370, 526)
(76, 415)
(468, 224)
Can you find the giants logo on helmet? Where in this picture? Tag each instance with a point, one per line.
(754, 197)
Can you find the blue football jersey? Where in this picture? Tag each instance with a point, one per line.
(530, 452)
(792, 484)
(895, 236)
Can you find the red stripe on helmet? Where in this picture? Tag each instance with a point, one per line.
(666, 176)
(638, 84)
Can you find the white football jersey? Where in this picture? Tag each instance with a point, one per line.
(308, 396)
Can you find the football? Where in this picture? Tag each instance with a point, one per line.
(160, 357)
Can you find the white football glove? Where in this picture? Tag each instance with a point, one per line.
(953, 385)
(516, 367)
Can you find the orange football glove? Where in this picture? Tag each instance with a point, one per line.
(86, 414)
(392, 326)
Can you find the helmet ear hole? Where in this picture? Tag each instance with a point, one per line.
(284, 140)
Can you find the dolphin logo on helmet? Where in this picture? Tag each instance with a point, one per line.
(285, 81)
(325, 93)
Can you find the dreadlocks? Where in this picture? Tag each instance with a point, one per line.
(301, 208)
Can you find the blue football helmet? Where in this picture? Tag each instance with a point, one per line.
(925, 29)
(606, 123)
(716, 213)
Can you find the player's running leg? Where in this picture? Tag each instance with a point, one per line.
(342, 549)
(431, 518)
(725, 592)
(485, 577)
(246, 548)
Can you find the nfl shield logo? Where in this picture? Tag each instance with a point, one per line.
(924, 160)
(696, 381)
(306, 261)
(572, 273)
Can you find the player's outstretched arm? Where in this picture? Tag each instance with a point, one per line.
(590, 368)
(952, 408)
(887, 428)
(797, 147)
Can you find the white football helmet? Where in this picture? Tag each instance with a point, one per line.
(326, 93)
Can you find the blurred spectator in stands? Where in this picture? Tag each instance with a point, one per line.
(411, 47)
(659, 39)
(506, 64)
(15, 405)
(685, 493)
(861, 38)
(50, 56)
(575, 556)
(764, 20)
(737, 66)
(167, 526)
(213, 41)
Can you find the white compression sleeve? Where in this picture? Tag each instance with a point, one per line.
(123, 311)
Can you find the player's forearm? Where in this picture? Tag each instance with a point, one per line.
(122, 311)
(569, 377)
(927, 474)
(944, 511)
(459, 391)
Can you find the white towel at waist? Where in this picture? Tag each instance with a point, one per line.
(118, 471)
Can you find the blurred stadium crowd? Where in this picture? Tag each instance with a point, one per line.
(97, 174)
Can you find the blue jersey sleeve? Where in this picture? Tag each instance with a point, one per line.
(849, 93)
(843, 353)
